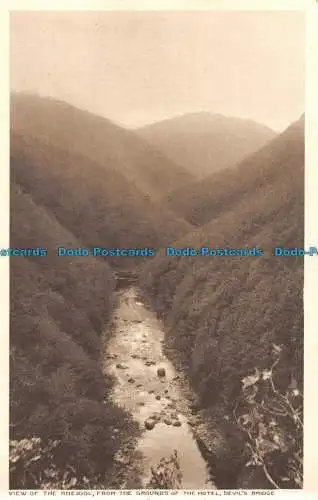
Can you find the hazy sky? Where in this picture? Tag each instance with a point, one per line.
(140, 67)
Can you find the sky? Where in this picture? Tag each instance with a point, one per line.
(136, 68)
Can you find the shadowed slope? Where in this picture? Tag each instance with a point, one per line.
(79, 132)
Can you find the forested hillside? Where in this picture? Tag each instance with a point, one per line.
(79, 132)
(234, 324)
(199, 202)
(231, 318)
(205, 143)
(58, 394)
(67, 191)
(94, 202)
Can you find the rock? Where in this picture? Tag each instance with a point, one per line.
(149, 363)
(176, 423)
(149, 424)
(167, 421)
(158, 397)
(166, 391)
(134, 356)
(161, 372)
(141, 403)
(131, 380)
(111, 356)
(156, 417)
(139, 386)
(120, 366)
(151, 391)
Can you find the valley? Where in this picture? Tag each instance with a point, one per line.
(118, 361)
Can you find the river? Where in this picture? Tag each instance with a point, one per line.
(133, 356)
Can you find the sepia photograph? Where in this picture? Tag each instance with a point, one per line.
(157, 180)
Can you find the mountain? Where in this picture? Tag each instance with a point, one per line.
(65, 191)
(228, 318)
(59, 306)
(206, 199)
(205, 143)
(79, 132)
(95, 203)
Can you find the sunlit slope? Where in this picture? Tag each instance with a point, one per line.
(225, 313)
(205, 200)
(205, 143)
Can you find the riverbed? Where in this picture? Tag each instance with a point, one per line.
(158, 403)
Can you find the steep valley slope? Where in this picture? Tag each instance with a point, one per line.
(61, 422)
(58, 124)
(229, 318)
(64, 431)
(203, 200)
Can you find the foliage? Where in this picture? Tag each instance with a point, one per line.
(273, 424)
(97, 179)
(167, 474)
(59, 307)
(223, 314)
(32, 465)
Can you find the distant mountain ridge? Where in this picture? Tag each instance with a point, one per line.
(205, 199)
(95, 203)
(60, 124)
(204, 142)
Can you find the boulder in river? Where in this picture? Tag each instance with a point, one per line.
(149, 363)
(176, 423)
(149, 424)
(111, 356)
(120, 366)
(161, 372)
